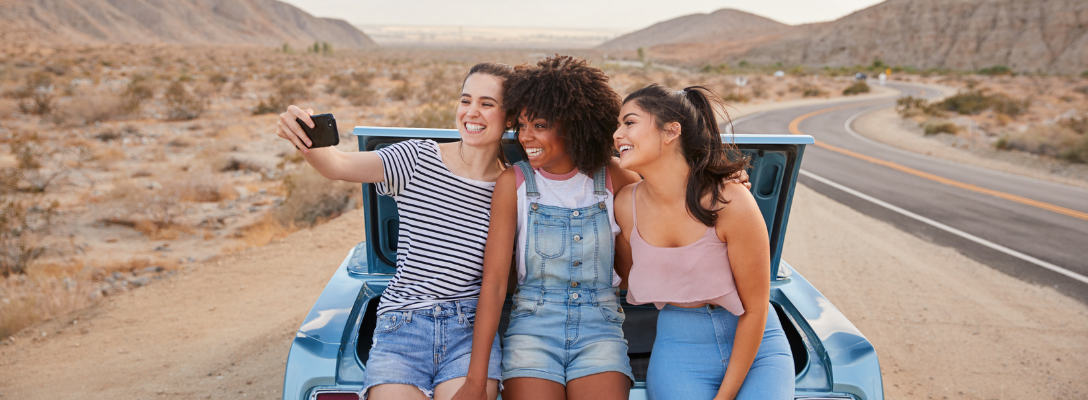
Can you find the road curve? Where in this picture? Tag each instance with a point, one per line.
(1031, 229)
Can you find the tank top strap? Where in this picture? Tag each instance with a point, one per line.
(530, 179)
(634, 215)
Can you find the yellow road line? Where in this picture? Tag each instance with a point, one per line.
(974, 188)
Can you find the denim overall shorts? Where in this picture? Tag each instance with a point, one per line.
(566, 321)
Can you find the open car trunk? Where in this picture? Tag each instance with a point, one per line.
(773, 169)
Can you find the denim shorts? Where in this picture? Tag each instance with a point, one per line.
(566, 334)
(424, 348)
(692, 351)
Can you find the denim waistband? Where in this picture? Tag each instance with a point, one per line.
(444, 309)
(571, 295)
(705, 309)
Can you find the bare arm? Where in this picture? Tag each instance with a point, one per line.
(621, 178)
(330, 162)
(497, 254)
(741, 225)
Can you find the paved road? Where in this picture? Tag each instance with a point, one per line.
(1031, 229)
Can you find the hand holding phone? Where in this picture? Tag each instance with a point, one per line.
(324, 132)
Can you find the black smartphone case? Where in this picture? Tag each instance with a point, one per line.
(324, 132)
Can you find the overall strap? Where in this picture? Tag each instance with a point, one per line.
(634, 215)
(600, 181)
(530, 179)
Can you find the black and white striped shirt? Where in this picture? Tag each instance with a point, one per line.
(443, 228)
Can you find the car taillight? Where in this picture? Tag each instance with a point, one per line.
(337, 396)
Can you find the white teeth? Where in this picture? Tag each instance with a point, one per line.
(474, 127)
(534, 152)
(625, 148)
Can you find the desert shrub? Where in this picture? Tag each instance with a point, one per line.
(1084, 74)
(312, 199)
(286, 94)
(995, 70)
(359, 95)
(1078, 125)
(95, 108)
(401, 92)
(30, 175)
(813, 91)
(23, 230)
(933, 127)
(180, 104)
(36, 96)
(858, 87)
(735, 97)
(973, 102)
(429, 115)
(138, 91)
(1049, 140)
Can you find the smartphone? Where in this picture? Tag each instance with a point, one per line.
(324, 132)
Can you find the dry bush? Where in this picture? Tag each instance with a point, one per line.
(1049, 140)
(973, 102)
(94, 108)
(180, 104)
(24, 230)
(936, 126)
(313, 199)
(286, 94)
(28, 299)
(264, 231)
(401, 92)
(36, 96)
(430, 115)
(30, 175)
(138, 91)
(858, 87)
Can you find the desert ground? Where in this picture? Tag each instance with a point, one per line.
(181, 243)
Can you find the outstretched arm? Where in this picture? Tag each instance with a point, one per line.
(741, 225)
(497, 254)
(330, 162)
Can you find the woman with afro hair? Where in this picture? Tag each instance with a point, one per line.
(565, 338)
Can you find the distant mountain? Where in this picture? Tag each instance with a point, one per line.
(1025, 35)
(263, 22)
(723, 25)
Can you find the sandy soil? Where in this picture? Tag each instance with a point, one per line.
(944, 325)
(887, 127)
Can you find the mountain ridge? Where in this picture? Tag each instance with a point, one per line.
(262, 22)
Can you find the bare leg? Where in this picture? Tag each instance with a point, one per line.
(446, 390)
(602, 386)
(533, 389)
(393, 391)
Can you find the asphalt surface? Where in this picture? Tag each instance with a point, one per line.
(1014, 224)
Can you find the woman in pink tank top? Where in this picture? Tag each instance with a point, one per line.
(700, 253)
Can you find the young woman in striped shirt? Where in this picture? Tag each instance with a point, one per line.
(443, 193)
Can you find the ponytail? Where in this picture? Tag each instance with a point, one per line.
(711, 162)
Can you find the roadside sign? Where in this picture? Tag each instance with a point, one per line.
(741, 81)
(779, 74)
(883, 77)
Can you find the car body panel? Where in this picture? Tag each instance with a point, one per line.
(833, 359)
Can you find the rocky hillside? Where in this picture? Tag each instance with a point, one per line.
(263, 22)
(1025, 35)
(722, 25)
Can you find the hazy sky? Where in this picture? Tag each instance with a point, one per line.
(623, 15)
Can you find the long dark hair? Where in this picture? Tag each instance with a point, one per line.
(501, 71)
(569, 92)
(712, 162)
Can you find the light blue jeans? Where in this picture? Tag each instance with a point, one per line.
(692, 351)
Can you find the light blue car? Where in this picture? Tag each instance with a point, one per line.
(832, 359)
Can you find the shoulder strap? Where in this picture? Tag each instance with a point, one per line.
(634, 215)
(600, 182)
(530, 179)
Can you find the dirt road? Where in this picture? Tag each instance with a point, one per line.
(943, 325)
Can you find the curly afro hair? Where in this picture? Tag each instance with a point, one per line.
(576, 96)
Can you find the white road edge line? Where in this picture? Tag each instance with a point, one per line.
(949, 229)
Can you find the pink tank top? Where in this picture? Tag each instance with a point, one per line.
(688, 275)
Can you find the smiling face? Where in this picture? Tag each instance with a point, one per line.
(481, 119)
(544, 145)
(638, 139)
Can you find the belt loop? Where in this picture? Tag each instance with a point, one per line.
(408, 317)
(460, 316)
(540, 301)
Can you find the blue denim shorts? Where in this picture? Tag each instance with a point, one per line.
(562, 335)
(424, 348)
(692, 351)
